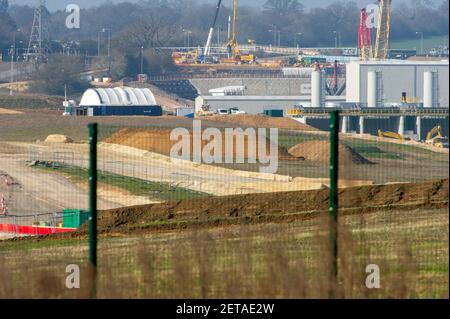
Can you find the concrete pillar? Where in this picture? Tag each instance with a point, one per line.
(401, 125)
(316, 88)
(428, 89)
(345, 124)
(372, 88)
(419, 128)
(361, 125)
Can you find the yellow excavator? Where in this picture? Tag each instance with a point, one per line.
(390, 135)
(436, 138)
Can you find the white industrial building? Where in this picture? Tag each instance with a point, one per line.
(257, 104)
(118, 96)
(118, 101)
(368, 84)
(379, 83)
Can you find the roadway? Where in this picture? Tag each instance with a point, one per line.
(20, 69)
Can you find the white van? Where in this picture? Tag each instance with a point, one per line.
(222, 111)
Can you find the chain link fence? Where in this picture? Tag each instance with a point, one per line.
(179, 229)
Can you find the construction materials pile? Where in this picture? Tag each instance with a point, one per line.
(8, 111)
(319, 151)
(260, 121)
(58, 138)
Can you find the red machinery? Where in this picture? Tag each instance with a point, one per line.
(364, 37)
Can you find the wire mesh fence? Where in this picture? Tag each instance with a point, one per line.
(177, 228)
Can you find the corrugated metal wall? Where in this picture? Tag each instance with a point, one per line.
(151, 110)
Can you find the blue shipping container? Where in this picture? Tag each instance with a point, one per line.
(149, 110)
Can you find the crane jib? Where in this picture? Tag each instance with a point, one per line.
(211, 30)
(217, 14)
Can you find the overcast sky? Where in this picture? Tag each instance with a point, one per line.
(60, 4)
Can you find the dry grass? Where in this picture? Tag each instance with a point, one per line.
(247, 261)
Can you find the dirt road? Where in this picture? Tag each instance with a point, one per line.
(150, 166)
(42, 192)
(37, 192)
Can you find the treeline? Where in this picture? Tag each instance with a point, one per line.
(129, 30)
(161, 23)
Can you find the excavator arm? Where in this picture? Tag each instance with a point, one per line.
(434, 132)
(390, 135)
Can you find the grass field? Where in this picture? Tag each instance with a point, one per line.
(415, 43)
(157, 191)
(285, 260)
(392, 162)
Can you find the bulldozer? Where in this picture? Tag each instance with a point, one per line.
(391, 135)
(436, 138)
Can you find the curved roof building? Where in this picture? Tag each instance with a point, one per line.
(119, 96)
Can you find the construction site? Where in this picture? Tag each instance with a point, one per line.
(171, 226)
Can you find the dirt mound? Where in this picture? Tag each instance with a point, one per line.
(8, 111)
(158, 141)
(274, 206)
(58, 138)
(248, 120)
(319, 151)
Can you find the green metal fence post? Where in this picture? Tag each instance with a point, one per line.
(93, 203)
(333, 208)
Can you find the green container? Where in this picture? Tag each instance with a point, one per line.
(74, 218)
(274, 113)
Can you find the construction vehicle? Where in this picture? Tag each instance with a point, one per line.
(436, 138)
(383, 30)
(203, 57)
(391, 135)
(183, 58)
(234, 53)
(205, 110)
(296, 111)
(382, 41)
(364, 38)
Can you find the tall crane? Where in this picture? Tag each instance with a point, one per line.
(233, 46)
(207, 50)
(232, 42)
(364, 37)
(383, 31)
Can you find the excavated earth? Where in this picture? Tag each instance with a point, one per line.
(265, 208)
(158, 141)
(259, 121)
(319, 151)
(253, 208)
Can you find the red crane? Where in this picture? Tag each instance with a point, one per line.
(364, 37)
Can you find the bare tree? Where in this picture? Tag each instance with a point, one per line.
(3, 5)
(150, 31)
(283, 7)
